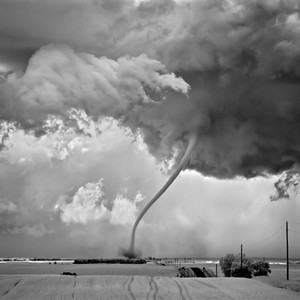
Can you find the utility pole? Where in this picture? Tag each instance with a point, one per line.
(241, 256)
(287, 250)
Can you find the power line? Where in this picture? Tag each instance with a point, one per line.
(281, 235)
(295, 223)
(267, 238)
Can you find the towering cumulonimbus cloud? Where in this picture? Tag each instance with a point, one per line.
(240, 59)
(57, 79)
(228, 70)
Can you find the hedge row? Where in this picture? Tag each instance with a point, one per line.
(109, 261)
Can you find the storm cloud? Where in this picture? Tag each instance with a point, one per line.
(156, 71)
(240, 58)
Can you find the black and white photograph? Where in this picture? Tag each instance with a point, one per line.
(150, 149)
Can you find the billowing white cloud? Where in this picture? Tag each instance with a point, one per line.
(124, 211)
(85, 205)
(51, 180)
(88, 205)
(57, 79)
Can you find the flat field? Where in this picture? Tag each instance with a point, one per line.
(149, 269)
(276, 278)
(117, 281)
(32, 287)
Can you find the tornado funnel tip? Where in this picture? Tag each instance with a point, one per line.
(130, 253)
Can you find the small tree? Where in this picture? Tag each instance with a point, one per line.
(260, 268)
(226, 263)
(231, 266)
(238, 271)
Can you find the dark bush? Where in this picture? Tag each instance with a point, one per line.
(226, 263)
(110, 261)
(231, 266)
(260, 268)
(238, 271)
(68, 273)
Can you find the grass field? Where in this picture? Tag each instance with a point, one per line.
(276, 278)
(147, 281)
(32, 287)
(88, 269)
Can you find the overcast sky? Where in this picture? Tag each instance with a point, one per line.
(98, 101)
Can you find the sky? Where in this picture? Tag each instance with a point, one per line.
(98, 102)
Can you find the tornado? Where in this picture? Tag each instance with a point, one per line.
(131, 252)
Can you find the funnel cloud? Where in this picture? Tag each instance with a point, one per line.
(131, 252)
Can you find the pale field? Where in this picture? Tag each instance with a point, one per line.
(34, 287)
(156, 282)
(88, 269)
(276, 278)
